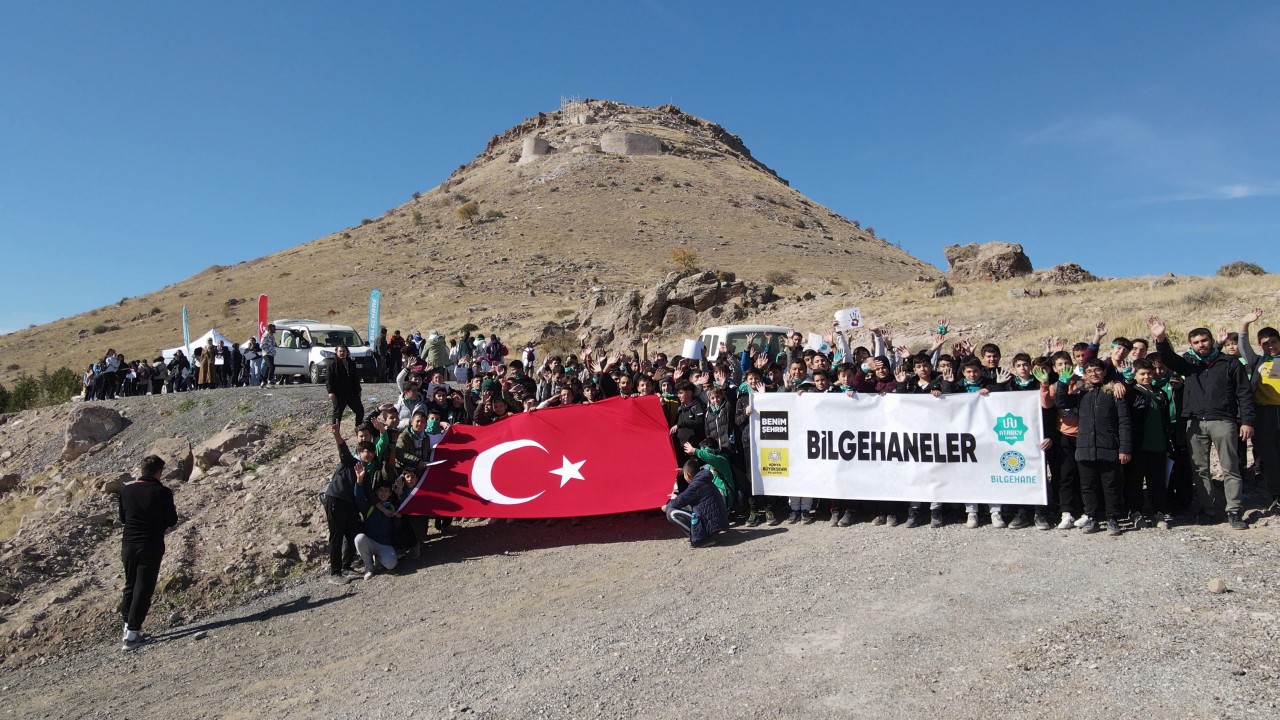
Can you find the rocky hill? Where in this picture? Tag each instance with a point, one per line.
(598, 196)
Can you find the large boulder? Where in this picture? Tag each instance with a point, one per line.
(90, 425)
(1065, 274)
(986, 263)
(232, 437)
(177, 456)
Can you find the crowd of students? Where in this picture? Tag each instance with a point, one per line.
(1129, 428)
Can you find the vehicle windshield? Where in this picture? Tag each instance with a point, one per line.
(738, 342)
(334, 338)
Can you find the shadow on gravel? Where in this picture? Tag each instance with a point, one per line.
(501, 538)
(301, 604)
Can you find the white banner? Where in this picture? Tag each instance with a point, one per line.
(955, 448)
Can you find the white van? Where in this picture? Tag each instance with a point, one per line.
(735, 338)
(304, 348)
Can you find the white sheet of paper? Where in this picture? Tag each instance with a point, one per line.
(817, 343)
(691, 349)
(849, 319)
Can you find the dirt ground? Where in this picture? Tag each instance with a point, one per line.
(619, 618)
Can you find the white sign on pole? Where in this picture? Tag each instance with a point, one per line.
(964, 448)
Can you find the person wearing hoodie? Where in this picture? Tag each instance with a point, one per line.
(436, 351)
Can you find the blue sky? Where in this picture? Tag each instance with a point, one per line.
(142, 142)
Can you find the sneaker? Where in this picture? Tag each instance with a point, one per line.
(368, 575)
(807, 518)
(877, 520)
(1019, 521)
(972, 522)
(997, 521)
(1113, 527)
(771, 518)
(1082, 520)
(1068, 521)
(1139, 522)
(913, 518)
(891, 520)
(935, 518)
(131, 644)
(1236, 522)
(416, 551)
(847, 519)
(1165, 522)
(1089, 526)
(835, 518)
(794, 517)
(754, 519)
(705, 543)
(1042, 523)
(1274, 507)
(337, 579)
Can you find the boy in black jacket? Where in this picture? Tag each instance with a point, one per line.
(340, 511)
(1104, 444)
(1152, 437)
(146, 510)
(699, 511)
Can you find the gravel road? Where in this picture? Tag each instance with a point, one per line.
(619, 618)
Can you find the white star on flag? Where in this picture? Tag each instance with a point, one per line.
(569, 471)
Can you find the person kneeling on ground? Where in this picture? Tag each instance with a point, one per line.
(378, 539)
(699, 511)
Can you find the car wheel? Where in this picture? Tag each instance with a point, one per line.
(315, 373)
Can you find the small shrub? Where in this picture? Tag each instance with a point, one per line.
(14, 366)
(367, 221)
(100, 329)
(562, 314)
(417, 217)
(469, 327)
(871, 231)
(780, 277)
(346, 236)
(798, 223)
(686, 259)
(493, 214)
(186, 405)
(467, 210)
(156, 311)
(459, 282)
(1240, 267)
(1203, 296)
(417, 195)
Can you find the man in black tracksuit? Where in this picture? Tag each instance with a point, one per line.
(146, 510)
(343, 385)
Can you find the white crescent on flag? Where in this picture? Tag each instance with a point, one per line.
(482, 472)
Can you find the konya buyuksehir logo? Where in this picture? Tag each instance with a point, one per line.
(1013, 462)
(1010, 429)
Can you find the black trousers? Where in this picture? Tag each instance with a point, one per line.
(1145, 468)
(344, 524)
(1101, 488)
(342, 403)
(141, 568)
(1068, 476)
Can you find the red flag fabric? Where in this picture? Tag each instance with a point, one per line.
(606, 457)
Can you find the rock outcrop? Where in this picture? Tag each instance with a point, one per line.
(680, 302)
(208, 453)
(987, 262)
(1065, 274)
(90, 425)
(177, 456)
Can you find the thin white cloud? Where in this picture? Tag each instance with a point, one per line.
(1169, 166)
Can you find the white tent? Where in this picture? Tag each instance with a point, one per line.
(199, 343)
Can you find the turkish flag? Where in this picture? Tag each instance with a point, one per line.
(606, 457)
